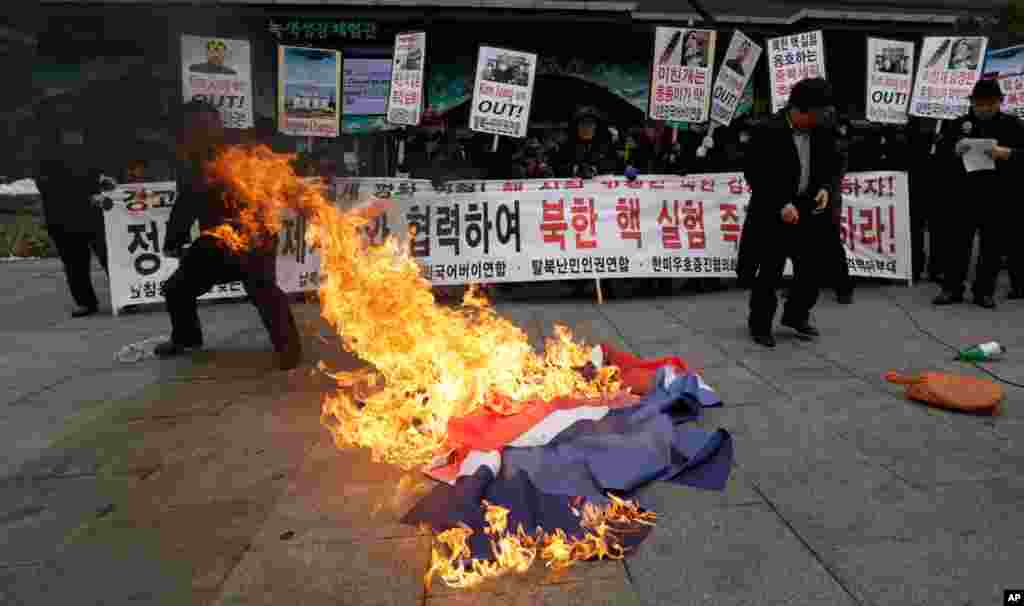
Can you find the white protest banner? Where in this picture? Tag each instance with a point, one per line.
(890, 73)
(1007, 66)
(219, 71)
(650, 227)
(681, 74)
(309, 82)
(135, 219)
(405, 99)
(502, 92)
(946, 76)
(792, 59)
(740, 61)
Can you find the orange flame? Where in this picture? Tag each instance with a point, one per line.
(430, 363)
(517, 551)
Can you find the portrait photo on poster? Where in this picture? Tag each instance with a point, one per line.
(965, 53)
(218, 59)
(892, 60)
(502, 67)
(685, 47)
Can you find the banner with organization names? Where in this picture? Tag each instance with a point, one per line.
(681, 74)
(655, 226)
(219, 71)
(949, 68)
(890, 80)
(792, 59)
(523, 231)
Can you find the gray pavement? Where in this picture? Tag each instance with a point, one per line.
(210, 481)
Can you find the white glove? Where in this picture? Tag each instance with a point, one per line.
(96, 200)
(962, 148)
(709, 142)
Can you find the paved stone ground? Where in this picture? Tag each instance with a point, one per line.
(210, 481)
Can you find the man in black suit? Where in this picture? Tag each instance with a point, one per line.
(793, 167)
(216, 54)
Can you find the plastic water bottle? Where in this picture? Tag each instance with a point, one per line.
(142, 350)
(982, 353)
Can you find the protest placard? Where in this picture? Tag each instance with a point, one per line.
(946, 76)
(309, 83)
(792, 59)
(1007, 66)
(405, 99)
(219, 71)
(890, 80)
(740, 61)
(681, 74)
(502, 92)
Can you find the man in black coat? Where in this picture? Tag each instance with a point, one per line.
(792, 166)
(67, 180)
(208, 261)
(983, 196)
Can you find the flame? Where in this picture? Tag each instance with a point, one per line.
(517, 551)
(430, 363)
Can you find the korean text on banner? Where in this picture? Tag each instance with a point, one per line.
(502, 92)
(890, 73)
(655, 226)
(792, 59)
(1007, 65)
(309, 95)
(219, 71)
(405, 99)
(946, 76)
(740, 62)
(681, 74)
(135, 219)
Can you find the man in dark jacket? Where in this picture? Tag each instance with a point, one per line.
(67, 180)
(589, 152)
(208, 261)
(792, 167)
(984, 195)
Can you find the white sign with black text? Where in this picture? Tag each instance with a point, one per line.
(503, 92)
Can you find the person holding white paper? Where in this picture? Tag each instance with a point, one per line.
(978, 150)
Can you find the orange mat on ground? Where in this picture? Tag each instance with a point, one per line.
(951, 391)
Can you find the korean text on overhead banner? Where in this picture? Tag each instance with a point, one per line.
(740, 63)
(1007, 65)
(135, 220)
(296, 30)
(946, 76)
(219, 71)
(890, 80)
(681, 74)
(502, 92)
(405, 99)
(792, 59)
(309, 95)
(655, 226)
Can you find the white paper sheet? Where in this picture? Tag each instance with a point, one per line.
(977, 157)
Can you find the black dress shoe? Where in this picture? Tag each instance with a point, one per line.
(986, 302)
(170, 349)
(81, 312)
(764, 340)
(947, 298)
(804, 330)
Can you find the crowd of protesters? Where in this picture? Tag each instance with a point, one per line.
(593, 145)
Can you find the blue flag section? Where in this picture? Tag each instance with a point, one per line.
(618, 454)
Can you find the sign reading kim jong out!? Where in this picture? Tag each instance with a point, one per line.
(502, 92)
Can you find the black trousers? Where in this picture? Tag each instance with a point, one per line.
(207, 263)
(985, 220)
(810, 244)
(76, 249)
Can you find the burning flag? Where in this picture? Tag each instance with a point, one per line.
(567, 439)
